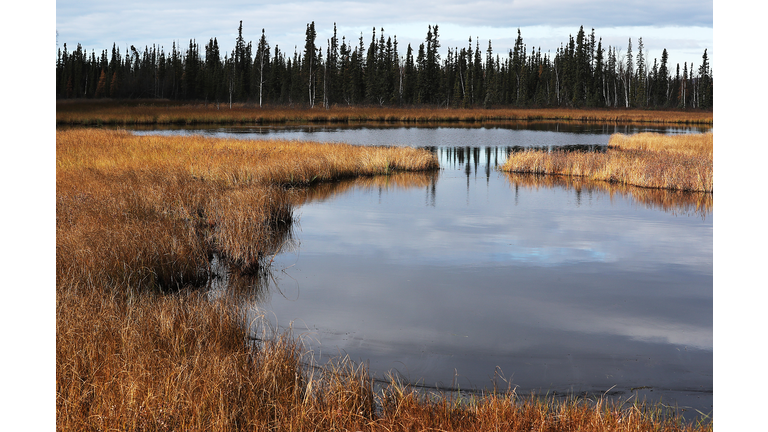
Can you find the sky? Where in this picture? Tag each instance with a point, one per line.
(683, 27)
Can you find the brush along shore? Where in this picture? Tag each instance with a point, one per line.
(152, 112)
(650, 160)
(139, 346)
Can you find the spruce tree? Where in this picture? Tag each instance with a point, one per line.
(409, 77)
(598, 80)
(491, 92)
(333, 86)
(433, 66)
(580, 69)
(662, 83)
(478, 74)
(641, 76)
(421, 80)
(397, 74)
(262, 65)
(371, 70)
(310, 64)
(628, 75)
(705, 89)
(516, 72)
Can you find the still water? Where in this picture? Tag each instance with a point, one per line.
(469, 278)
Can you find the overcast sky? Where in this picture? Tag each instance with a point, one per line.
(683, 27)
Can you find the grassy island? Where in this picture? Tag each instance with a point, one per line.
(650, 160)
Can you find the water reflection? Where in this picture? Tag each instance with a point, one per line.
(506, 134)
(675, 202)
(563, 285)
(594, 148)
(487, 160)
(376, 184)
(356, 127)
(250, 283)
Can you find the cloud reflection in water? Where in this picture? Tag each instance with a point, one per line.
(559, 292)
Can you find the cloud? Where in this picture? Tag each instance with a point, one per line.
(97, 25)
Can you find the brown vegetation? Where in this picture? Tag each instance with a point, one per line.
(676, 162)
(139, 348)
(175, 200)
(158, 113)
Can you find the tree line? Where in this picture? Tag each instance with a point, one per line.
(581, 73)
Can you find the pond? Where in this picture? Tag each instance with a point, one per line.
(470, 278)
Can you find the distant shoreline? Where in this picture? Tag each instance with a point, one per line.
(163, 111)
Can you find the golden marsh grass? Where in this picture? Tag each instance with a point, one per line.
(650, 160)
(139, 216)
(165, 113)
(151, 210)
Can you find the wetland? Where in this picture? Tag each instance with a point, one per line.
(470, 278)
(464, 280)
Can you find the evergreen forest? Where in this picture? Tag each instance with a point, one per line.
(581, 73)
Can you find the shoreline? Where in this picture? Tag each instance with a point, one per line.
(151, 112)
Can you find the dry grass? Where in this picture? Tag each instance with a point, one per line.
(165, 363)
(152, 210)
(164, 113)
(232, 162)
(405, 410)
(140, 216)
(687, 144)
(675, 162)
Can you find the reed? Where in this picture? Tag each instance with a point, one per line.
(175, 362)
(404, 409)
(675, 162)
(687, 144)
(140, 223)
(151, 112)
